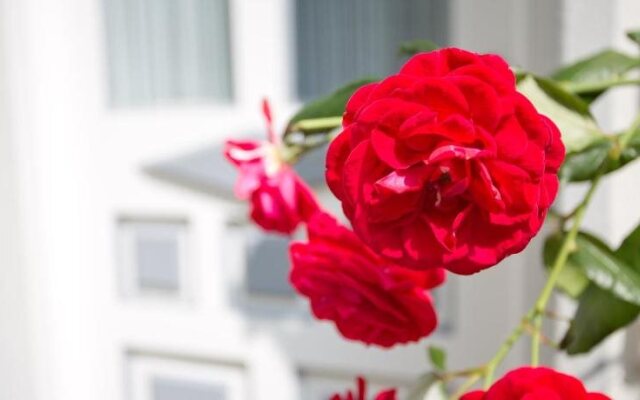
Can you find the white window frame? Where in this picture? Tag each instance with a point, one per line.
(129, 230)
(143, 369)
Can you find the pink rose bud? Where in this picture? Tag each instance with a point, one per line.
(280, 200)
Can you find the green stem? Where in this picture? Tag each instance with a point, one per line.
(535, 340)
(451, 375)
(466, 385)
(534, 316)
(316, 125)
(626, 136)
(504, 349)
(568, 246)
(588, 87)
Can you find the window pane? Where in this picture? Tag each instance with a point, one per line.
(170, 389)
(153, 257)
(167, 51)
(341, 40)
(158, 263)
(268, 265)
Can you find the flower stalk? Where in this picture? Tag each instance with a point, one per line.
(567, 247)
(533, 319)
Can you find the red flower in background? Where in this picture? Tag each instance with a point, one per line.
(280, 200)
(368, 298)
(445, 164)
(535, 384)
(361, 393)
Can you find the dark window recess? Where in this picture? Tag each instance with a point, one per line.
(268, 266)
(158, 264)
(341, 40)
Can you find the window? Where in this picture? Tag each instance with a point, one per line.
(153, 257)
(165, 378)
(171, 389)
(267, 265)
(167, 51)
(341, 40)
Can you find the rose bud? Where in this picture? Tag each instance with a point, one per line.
(280, 200)
(368, 298)
(445, 164)
(535, 384)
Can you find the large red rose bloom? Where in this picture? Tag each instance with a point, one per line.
(535, 384)
(445, 164)
(368, 298)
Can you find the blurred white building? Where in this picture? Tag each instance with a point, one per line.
(129, 273)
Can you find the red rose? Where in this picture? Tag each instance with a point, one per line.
(535, 384)
(279, 198)
(361, 393)
(368, 298)
(445, 164)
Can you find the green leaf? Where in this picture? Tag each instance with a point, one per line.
(571, 114)
(438, 358)
(600, 71)
(602, 312)
(630, 142)
(328, 108)
(413, 47)
(605, 269)
(603, 66)
(583, 165)
(599, 314)
(634, 35)
(572, 279)
(629, 250)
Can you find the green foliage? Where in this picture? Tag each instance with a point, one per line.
(603, 66)
(583, 165)
(605, 269)
(325, 113)
(572, 280)
(571, 114)
(634, 35)
(630, 145)
(413, 47)
(610, 153)
(629, 250)
(438, 358)
(593, 75)
(610, 301)
(599, 314)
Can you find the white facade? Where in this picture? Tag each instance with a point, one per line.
(75, 321)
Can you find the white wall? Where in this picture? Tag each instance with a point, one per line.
(15, 333)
